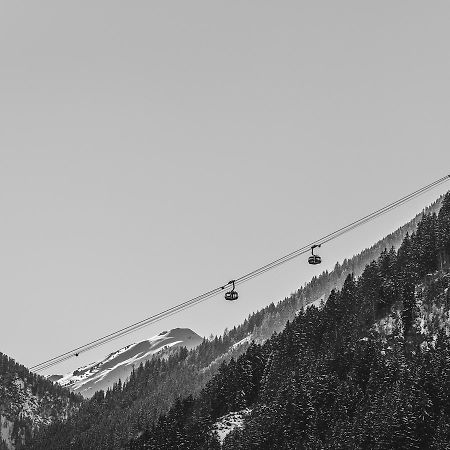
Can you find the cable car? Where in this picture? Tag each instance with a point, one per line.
(314, 259)
(231, 295)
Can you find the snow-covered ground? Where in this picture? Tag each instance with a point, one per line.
(226, 424)
(103, 374)
(242, 341)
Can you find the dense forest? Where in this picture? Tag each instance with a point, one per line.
(29, 401)
(326, 380)
(366, 371)
(332, 379)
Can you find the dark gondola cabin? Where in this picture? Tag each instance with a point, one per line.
(231, 295)
(314, 259)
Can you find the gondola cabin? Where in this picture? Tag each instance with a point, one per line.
(314, 259)
(231, 295)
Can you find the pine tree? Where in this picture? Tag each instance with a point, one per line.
(443, 235)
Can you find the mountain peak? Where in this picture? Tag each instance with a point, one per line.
(95, 376)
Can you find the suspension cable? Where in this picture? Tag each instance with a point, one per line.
(242, 279)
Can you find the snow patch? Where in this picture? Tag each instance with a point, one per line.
(242, 341)
(19, 384)
(226, 424)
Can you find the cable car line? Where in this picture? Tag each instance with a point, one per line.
(329, 237)
(233, 295)
(126, 330)
(99, 342)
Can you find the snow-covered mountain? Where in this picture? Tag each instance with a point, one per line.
(103, 374)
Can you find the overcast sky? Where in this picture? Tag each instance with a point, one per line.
(150, 151)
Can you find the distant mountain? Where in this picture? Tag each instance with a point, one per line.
(28, 402)
(102, 375)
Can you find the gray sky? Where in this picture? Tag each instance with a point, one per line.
(150, 151)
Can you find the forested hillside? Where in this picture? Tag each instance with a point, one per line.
(370, 370)
(28, 402)
(111, 419)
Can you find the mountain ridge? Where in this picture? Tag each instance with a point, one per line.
(101, 375)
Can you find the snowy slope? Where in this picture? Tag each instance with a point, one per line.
(226, 424)
(88, 379)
